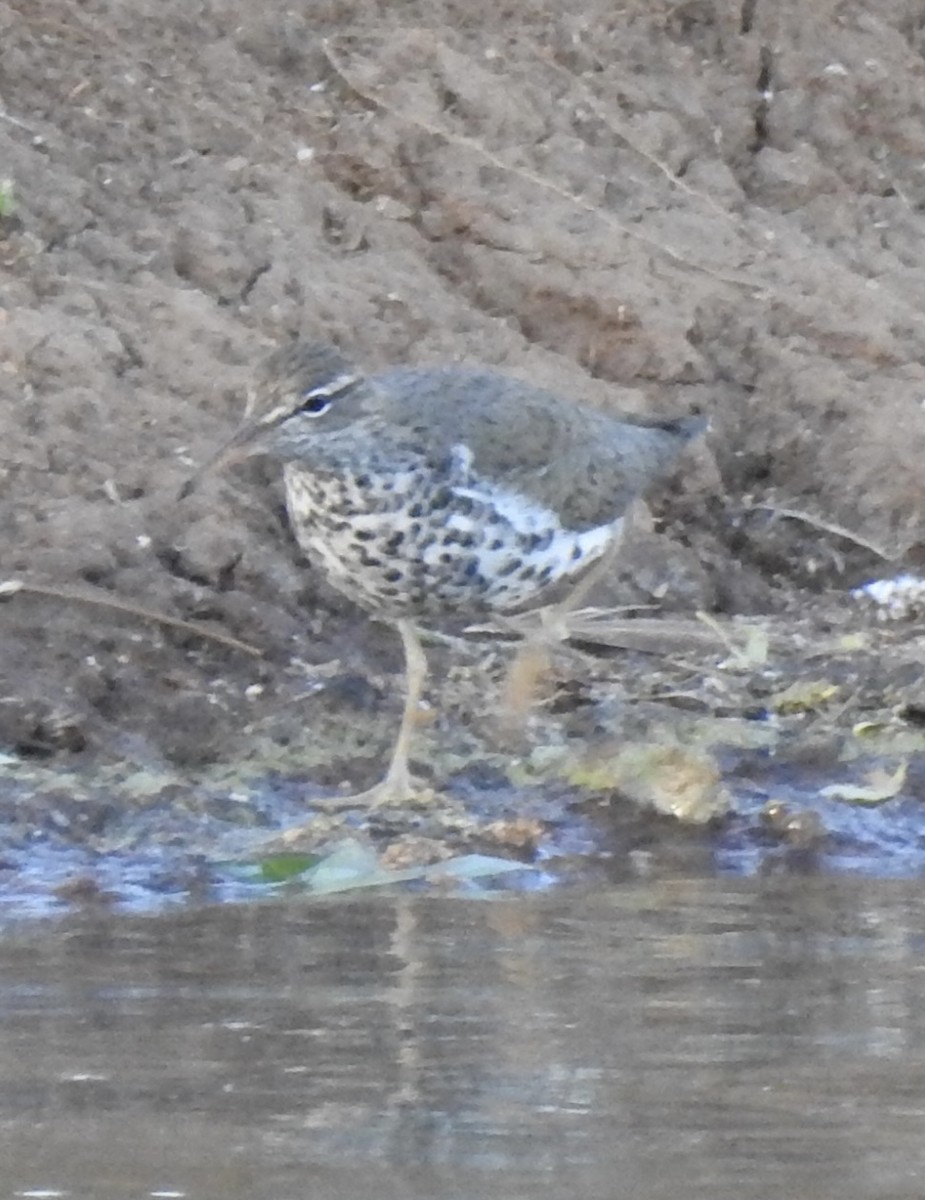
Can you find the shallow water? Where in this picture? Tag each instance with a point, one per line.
(721, 1038)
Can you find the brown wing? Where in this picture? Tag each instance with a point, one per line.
(586, 465)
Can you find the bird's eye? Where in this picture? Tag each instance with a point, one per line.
(314, 403)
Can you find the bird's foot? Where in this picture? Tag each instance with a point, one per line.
(391, 792)
(397, 790)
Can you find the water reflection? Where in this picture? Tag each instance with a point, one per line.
(730, 1039)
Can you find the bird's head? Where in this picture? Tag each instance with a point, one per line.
(299, 390)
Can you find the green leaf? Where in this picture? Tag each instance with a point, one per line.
(281, 867)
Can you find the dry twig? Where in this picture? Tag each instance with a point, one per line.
(476, 147)
(795, 514)
(13, 587)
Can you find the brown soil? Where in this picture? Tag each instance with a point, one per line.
(656, 206)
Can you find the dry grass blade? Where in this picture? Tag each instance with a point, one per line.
(649, 635)
(12, 587)
(5, 116)
(596, 105)
(748, 647)
(476, 147)
(794, 514)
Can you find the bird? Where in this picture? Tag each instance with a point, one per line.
(430, 493)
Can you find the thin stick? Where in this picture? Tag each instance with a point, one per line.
(849, 535)
(11, 587)
(5, 116)
(761, 287)
(476, 147)
(597, 107)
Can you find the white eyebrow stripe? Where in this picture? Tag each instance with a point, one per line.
(276, 414)
(333, 387)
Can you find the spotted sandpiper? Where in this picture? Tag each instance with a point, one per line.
(429, 492)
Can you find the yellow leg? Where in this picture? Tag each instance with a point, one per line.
(397, 787)
(531, 662)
